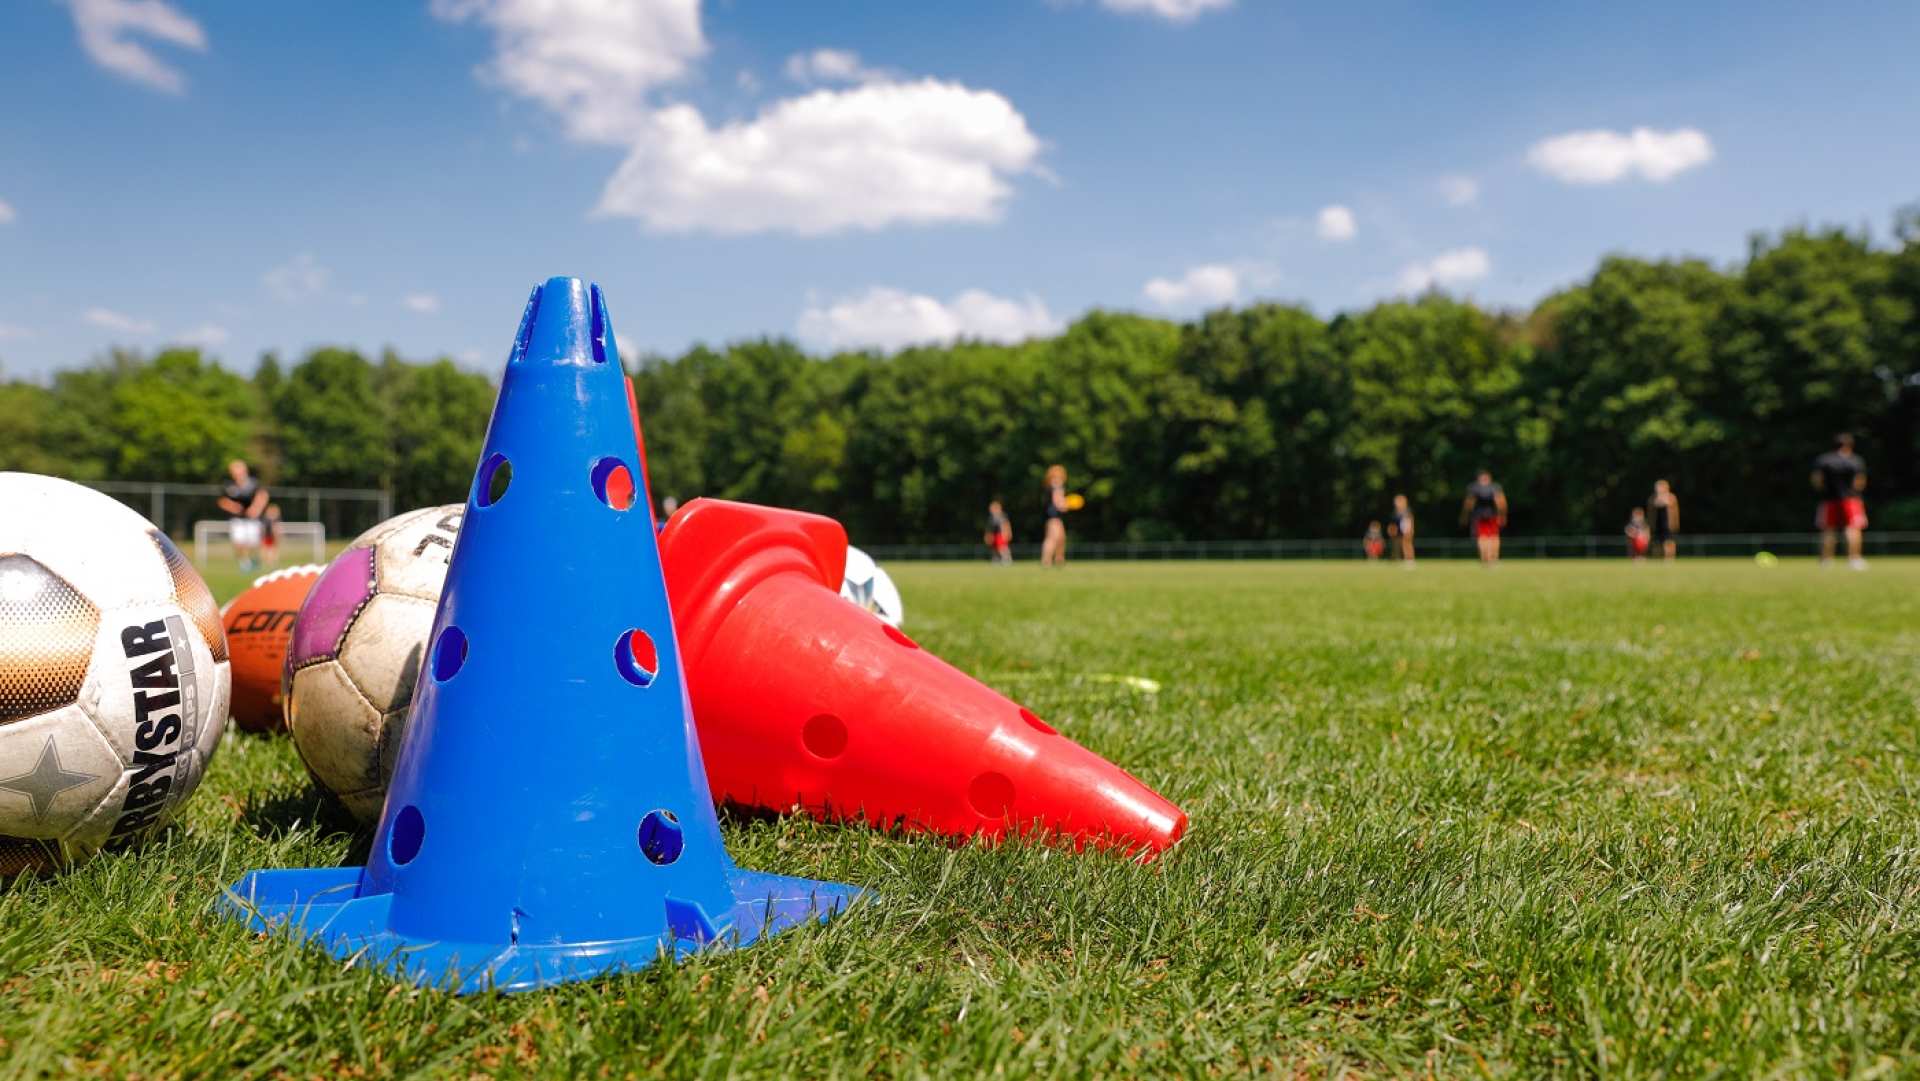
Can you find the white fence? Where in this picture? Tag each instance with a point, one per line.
(343, 512)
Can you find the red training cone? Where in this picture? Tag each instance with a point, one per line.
(803, 698)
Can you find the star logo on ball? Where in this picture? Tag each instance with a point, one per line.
(45, 780)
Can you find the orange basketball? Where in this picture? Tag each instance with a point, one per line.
(259, 626)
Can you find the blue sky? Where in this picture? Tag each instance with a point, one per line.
(276, 176)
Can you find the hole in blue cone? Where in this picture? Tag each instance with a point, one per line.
(449, 653)
(600, 328)
(636, 658)
(613, 483)
(496, 473)
(403, 840)
(661, 839)
(525, 335)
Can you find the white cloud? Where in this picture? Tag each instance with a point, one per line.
(108, 28)
(885, 152)
(830, 66)
(1335, 223)
(1602, 157)
(888, 318)
(422, 303)
(120, 324)
(1200, 287)
(866, 157)
(591, 62)
(1178, 11)
(1449, 268)
(1459, 190)
(6, 212)
(206, 336)
(296, 280)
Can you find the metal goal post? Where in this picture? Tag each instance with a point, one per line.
(220, 531)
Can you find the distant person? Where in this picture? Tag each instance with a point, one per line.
(1639, 537)
(1374, 543)
(1663, 513)
(667, 506)
(1400, 528)
(244, 499)
(999, 535)
(1841, 479)
(1053, 547)
(1485, 509)
(270, 536)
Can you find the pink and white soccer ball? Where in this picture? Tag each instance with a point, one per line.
(113, 674)
(356, 652)
(868, 585)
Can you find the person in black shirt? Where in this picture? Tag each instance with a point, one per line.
(1841, 479)
(1053, 546)
(244, 498)
(1486, 508)
(1663, 514)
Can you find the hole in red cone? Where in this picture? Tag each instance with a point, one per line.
(613, 483)
(634, 655)
(661, 839)
(1034, 720)
(897, 635)
(403, 840)
(449, 653)
(991, 795)
(825, 735)
(495, 474)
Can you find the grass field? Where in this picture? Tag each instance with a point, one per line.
(1562, 818)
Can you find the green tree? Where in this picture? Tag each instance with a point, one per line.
(180, 418)
(334, 427)
(439, 420)
(1627, 380)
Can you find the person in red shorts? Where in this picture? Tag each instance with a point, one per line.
(1639, 537)
(270, 536)
(1485, 508)
(1841, 479)
(1374, 543)
(999, 535)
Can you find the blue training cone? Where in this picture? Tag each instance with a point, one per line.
(549, 818)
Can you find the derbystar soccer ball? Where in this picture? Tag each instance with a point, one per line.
(866, 585)
(356, 652)
(113, 674)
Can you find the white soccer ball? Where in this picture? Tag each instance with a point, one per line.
(356, 652)
(113, 674)
(866, 585)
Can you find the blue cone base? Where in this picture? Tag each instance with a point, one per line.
(318, 904)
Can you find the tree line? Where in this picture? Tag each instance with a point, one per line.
(1252, 422)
